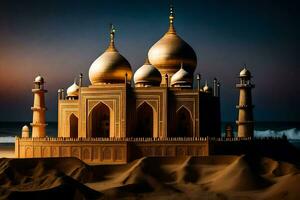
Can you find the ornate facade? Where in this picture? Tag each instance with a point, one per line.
(122, 115)
(162, 103)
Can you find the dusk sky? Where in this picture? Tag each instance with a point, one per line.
(60, 39)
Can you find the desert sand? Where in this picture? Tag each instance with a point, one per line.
(212, 177)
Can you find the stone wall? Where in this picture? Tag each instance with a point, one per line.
(110, 150)
(122, 150)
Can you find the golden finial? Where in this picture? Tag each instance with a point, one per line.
(112, 37)
(147, 62)
(171, 19)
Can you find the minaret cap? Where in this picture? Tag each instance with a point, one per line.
(39, 79)
(245, 73)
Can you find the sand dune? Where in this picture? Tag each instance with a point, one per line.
(44, 177)
(213, 177)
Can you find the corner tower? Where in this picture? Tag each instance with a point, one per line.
(245, 121)
(38, 121)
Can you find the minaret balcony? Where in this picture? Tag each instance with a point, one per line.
(244, 122)
(38, 108)
(245, 85)
(36, 90)
(244, 106)
(38, 124)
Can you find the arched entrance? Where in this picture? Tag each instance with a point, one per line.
(144, 126)
(73, 126)
(184, 124)
(99, 121)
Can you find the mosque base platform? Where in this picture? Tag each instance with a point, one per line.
(123, 150)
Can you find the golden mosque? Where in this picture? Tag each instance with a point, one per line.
(122, 115)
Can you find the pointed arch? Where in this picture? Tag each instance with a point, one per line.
(73, 126)
(100, 121)
(184, 123)
(145, 120)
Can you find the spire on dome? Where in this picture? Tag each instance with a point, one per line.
(112, 37)
(171, 19)
(147, 62)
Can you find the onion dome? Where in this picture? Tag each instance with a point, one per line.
(245, 73)
(171, 50)
(206, 88)
(182, 78)
(39, 79)
(147, 75)
(73, 90)
(110, 67)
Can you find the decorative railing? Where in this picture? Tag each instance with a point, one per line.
(148, 139)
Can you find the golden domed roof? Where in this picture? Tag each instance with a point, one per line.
(73, 90)
(110, 67)
(171, 50)
(245, 73)
(182, 78)
(147, 75)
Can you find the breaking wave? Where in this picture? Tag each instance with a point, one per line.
(7, 139)
(292, 134)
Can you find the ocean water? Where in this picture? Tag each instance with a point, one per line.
(8, 130)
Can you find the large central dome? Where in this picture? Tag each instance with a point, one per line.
(170, 51)
(110, 67)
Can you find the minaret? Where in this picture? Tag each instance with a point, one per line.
(245, 122)
(38, 121)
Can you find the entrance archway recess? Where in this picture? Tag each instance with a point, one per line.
(145, 126)
(73, 126)
(184, 123)
(101, 121)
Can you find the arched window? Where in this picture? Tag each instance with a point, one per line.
(73, 126)
(144, 126)
(99, 121)
(184, 124)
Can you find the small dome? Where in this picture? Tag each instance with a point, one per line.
(39, 79)
(147, 75)
(206, 88)
(110, 67)
(25, 132)
(245, 73)
(25, 128)
(182, 78)
(73, 90)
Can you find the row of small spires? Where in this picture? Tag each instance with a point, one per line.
(72, 91)
(141, 139)
(25, 136)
